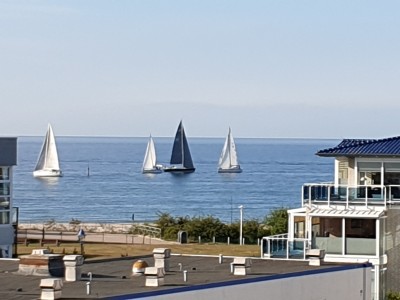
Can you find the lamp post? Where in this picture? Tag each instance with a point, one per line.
(241, 225)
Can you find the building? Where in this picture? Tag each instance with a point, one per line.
(207, 277)
(355, 218)
(8, 159)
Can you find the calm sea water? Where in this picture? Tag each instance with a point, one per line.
(116, 190)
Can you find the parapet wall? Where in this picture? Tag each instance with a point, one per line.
(344, 282)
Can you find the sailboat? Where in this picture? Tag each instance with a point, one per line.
(181, 160)
(228, 161)
(150, 160)
(48, 164)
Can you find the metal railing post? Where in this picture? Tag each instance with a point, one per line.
(287, 249)
(384, 196)
(329, 195)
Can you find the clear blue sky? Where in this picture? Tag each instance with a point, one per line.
(268, 68)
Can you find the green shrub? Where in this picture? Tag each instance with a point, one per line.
(171, 233)
(164, 221)
(253, 230)
(206, 227)
(210, 227)
(393, 296)
(277, 221)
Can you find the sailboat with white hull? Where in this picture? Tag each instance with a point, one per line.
(228, 161)
(48, 164)
(150, 165)
(181, 160)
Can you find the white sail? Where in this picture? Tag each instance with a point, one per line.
(48, 164)
(150, 159)
(228, 161)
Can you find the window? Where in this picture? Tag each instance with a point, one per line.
(4, 188)
(4, 173)
(4, 203)
(4, 217)
(360, 228)
(299, 227)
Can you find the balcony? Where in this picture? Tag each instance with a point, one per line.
(280, 247)
(366, 195)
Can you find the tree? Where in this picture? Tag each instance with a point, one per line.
(253, 230)
(277, 221)
(206, 227)
(167, 224)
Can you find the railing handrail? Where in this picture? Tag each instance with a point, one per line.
(269, 239)
(272, 237)
(350, 185)
(346, 194)
(278, 235)
(148, 229)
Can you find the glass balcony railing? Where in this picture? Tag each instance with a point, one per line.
(327, 193)
(360, 246)
(279, 246)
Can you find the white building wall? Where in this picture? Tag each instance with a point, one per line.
(348, 284)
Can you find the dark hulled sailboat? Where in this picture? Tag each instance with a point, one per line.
(181, 160)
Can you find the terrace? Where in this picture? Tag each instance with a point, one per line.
(344, 221)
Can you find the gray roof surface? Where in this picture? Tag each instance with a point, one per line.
(114, 277)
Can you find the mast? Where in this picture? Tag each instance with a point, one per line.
(229, 148)
(182, 146)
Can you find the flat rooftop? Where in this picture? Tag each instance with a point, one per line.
(111, 278)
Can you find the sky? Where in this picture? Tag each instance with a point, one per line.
(267, 69)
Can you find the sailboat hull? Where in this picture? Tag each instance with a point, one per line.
(152, 171)
(179, 170)
(47, 173)
(230, 170)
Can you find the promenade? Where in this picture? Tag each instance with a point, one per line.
(94, 233)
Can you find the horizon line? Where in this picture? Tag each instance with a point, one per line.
(191, 137)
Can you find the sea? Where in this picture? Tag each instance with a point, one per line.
(103, 182)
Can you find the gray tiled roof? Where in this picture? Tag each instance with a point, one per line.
(362, 147)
